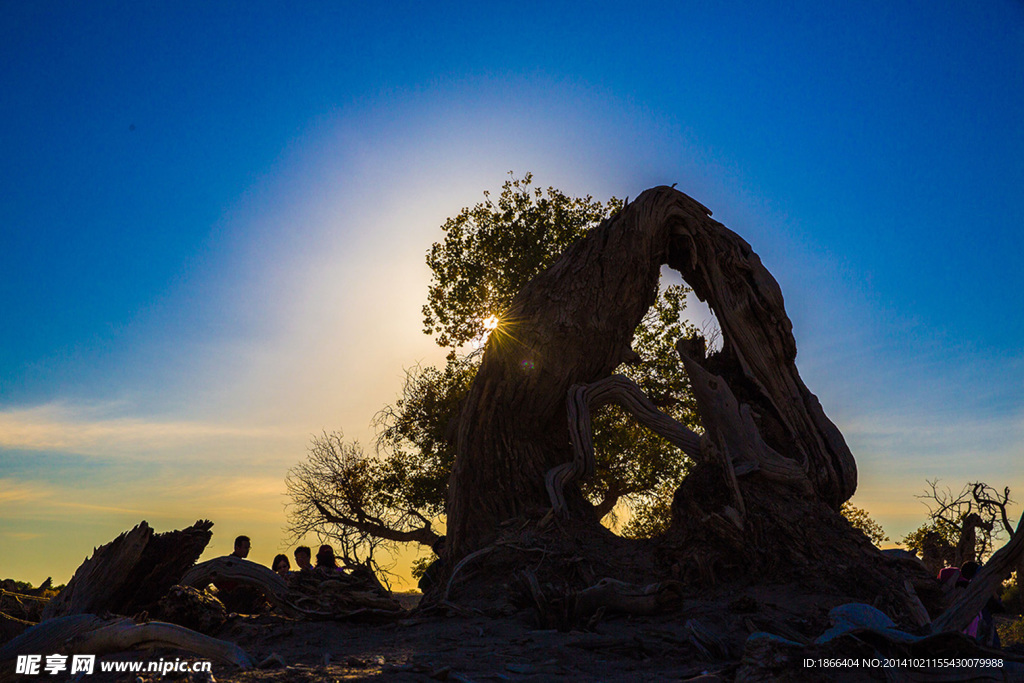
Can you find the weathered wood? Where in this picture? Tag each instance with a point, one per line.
(192, 608)
(239, 570)
(338, 595)
(583, 399)
(131, 573)
(759, 350)
(916, 610)
(626, 598)
(22, 605)
(100, 580)
(731, 427)
(90, 634)
(11, 626)
(312, 594)
(967, 544)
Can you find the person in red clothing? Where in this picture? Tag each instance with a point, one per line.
(326, 562)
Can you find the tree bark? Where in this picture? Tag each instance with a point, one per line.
(573, 324)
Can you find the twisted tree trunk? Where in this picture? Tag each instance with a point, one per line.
(573, 324)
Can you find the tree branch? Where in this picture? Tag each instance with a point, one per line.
(985, 501)
(424, 535)
(583, 398)
(608, 503)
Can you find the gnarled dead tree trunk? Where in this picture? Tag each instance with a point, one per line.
(131, 573)
(771, 470)
(573, 324)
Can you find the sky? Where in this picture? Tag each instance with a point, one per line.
(214, 218)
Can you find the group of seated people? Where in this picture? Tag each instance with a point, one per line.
(325, 561)
(238, 597)
(325, 558)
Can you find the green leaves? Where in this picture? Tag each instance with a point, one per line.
(492, 249)
(412, 436)
(859, 518)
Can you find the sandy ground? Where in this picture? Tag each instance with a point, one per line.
(463, 647)
(424, 645)
(452, 649)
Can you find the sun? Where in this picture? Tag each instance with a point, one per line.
(490, 324)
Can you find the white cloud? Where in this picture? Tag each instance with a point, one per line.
(92, 430)
(14, 492)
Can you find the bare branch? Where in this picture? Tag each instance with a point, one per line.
(349, 498)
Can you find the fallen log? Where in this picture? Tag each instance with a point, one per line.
(90, 634)
(243, 571)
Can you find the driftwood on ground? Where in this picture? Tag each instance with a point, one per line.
(145, 572)
(91, 634)
(129, 575)
(341, 594)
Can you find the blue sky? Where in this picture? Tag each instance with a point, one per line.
(213, 222)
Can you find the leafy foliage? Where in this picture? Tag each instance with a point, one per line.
(1011, 634)
(492, 249)
(420, 564)
(861, 519)
(413, 432)
(1012, 597)
(651, 511)
(918, 539)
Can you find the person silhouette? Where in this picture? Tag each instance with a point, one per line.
(302, 558)
(281, 566)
